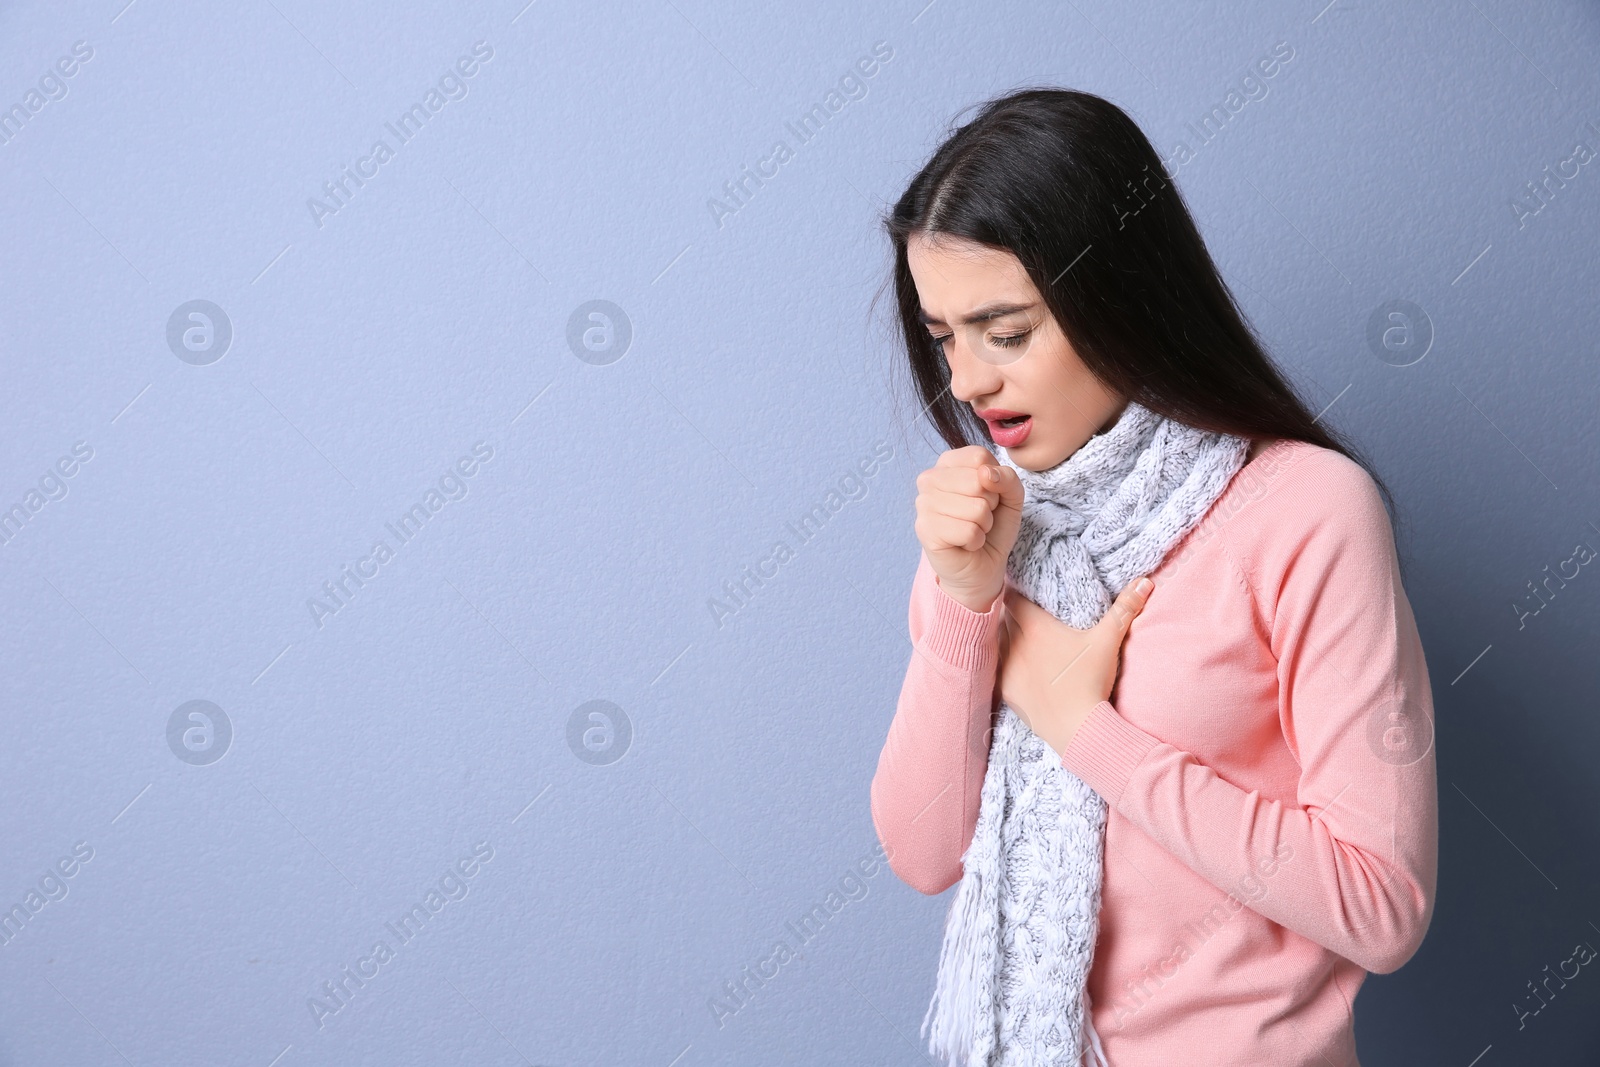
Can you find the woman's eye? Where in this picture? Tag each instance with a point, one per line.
(1011, 340)
(938, 343)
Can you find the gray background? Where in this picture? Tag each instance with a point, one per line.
(431, 713)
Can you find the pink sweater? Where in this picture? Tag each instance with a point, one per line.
(1267, 760)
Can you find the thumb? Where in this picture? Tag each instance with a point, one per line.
(1008, 509)
(1125, 608)
(1010, 488)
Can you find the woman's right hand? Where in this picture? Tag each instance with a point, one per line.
(969, 507)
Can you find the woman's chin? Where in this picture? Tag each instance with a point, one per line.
(1035, 455)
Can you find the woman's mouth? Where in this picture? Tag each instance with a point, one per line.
(1009, 429)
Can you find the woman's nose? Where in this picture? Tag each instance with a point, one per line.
(970, 377)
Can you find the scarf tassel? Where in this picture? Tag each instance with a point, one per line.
(965, 980)
(1090, 1041)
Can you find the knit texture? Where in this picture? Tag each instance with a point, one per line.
(1019, 939)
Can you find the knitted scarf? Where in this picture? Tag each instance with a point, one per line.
(1020, 935)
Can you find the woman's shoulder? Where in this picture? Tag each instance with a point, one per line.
(1288, 475)
(1293, 497)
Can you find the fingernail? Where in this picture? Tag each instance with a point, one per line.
(991, 474)
(1145, 585)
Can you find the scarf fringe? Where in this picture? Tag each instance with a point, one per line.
(960, 988)
(959, 1022)
(1090, 1041)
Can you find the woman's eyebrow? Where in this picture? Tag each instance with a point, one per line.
(982, 314)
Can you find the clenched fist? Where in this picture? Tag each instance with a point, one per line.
(969, 507)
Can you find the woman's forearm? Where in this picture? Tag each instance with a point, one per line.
(1355, 873)
(930, 772)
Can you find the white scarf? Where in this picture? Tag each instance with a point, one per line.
(1020, 935)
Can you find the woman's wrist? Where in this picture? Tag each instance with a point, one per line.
(1105, 749)
(976, 603)
(960, 636)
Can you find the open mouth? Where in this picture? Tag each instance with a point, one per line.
(1009, 429)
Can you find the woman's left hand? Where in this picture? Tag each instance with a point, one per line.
(1052, 674)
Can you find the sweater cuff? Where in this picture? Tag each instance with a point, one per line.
(1106, 750)
(961, 637)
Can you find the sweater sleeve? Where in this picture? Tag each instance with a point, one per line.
(1351, 864)
(925, 793)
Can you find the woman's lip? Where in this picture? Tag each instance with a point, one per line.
(1009, 436)
(996, 414)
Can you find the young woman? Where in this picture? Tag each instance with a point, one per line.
(1167, 719)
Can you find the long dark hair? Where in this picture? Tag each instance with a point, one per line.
(1069, 183)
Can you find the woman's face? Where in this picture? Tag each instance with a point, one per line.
(1008, 357)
